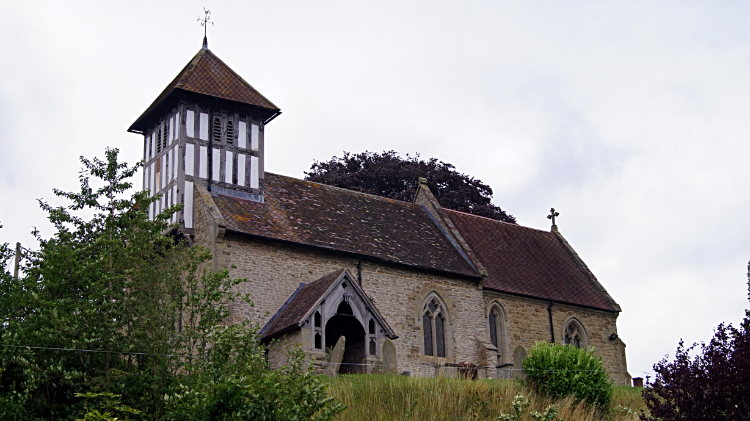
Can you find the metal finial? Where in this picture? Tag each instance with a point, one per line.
(552, 215)
(204, 23)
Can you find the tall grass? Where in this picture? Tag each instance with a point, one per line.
(382, 397)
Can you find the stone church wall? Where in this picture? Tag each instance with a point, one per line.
(528, 322)
(274, 270)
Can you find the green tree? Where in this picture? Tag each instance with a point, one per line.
(388, 174)
(111, 303)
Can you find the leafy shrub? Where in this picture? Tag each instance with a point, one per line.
(713, 385)
(232, 382)
(562, 370)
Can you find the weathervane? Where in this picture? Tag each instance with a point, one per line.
(204, 23)
(552, 215)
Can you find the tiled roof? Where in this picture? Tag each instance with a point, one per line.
(333, 218)
(527, 261)
(206, 74)
(299, 304)
(307, 296)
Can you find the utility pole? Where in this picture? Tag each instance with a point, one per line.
(18, 260)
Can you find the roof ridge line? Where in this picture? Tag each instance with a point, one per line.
(341, 188)
(496, 220)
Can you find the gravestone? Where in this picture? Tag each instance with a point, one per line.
(332, 369)
(518, 356)
(390, 365)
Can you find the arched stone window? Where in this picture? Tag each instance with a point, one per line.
(317, 319)
(371, 327)
(574, 334)
(434, 323)
(497, 328)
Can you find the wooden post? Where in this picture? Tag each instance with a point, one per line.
(17, 260)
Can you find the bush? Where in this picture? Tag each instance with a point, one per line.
(562, 370)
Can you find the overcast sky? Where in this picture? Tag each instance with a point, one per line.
(630, 118)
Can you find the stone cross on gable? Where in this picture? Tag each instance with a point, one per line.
(552, 215)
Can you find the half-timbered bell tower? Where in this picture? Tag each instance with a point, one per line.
(206, 127)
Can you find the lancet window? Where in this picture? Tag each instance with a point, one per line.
(433, 327)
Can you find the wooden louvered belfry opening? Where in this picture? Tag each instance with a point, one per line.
(223, 129)
(230, 131)
(217, 129)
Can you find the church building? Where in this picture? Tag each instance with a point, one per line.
(413, 288)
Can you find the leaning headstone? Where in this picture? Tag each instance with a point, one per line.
(332, 369)
(390, 365)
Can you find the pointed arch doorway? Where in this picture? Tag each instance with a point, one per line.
(348, 326)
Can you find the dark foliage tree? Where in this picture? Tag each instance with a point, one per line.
(714, 385)
(388, 174)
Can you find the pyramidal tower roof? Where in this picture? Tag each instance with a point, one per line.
(207, 75)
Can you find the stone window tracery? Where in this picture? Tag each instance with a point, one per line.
(433, 328)
(574, 334)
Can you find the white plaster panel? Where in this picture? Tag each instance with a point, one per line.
(254, 137)
(171, 129)
(170, 164)
(175, 161)
(216, 164)
(228, 168)
(189, 158)
(174, 201)
(163, 170)
(203, 126)
(153, 146)
(190, 123)
(241, 169)
(242, 138)
(203, 163)
(254, 172)
(151, 178)
(188, 210)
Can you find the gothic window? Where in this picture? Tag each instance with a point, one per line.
(493, 327)
(498, 335)
(372, 346)
(217, 129)
(433, 328)
(372, 327)
(317, 319)
(575, 335)
(230, 131)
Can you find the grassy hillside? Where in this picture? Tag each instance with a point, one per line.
(381, 397)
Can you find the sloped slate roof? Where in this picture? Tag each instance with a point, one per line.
(307, 296)
(299, 304)
(343, 220)
(527, 261)
(206, 74)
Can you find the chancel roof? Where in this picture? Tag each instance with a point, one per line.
(206, 74)
(343, 220)
(518, 260)
(529, 262)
